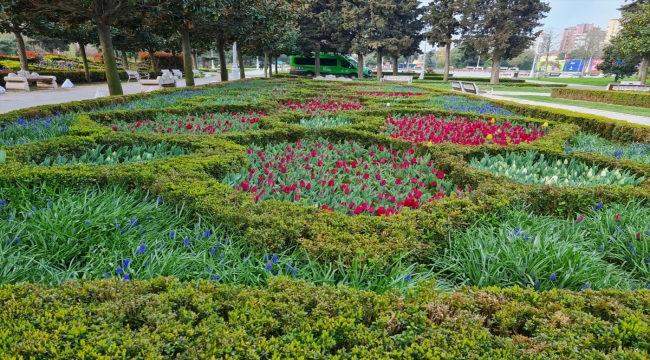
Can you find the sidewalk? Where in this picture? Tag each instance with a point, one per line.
(610, 114)
(18, 99)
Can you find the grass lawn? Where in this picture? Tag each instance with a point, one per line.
(447, 86)
(584, 81)
(588, 104)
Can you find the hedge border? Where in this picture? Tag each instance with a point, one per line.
(625, 98)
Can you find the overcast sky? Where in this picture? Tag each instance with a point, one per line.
(567, 13)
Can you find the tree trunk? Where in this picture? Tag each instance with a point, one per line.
(187, 57)
(22, 54)
(125, 59)
(152, 56)
(240, 60)
(447, 60)
(380, 65)
(395, 66)
(496, 62)
(317, 61)
(110, 65)
(221, 49)
(84, 57)
(360, 66)
(195, 56)
(266, 65)
(643, 69)
(276, 65)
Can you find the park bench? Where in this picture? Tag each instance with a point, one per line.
(166, 80)
(177, 73)
(469, 87)
(455, 85)
(629, 86)
(22, 79)
(134, 74)
(401, 79)
(553, 74)
(197, 73)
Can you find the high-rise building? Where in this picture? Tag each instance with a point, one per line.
(613, 29)
(569, 37)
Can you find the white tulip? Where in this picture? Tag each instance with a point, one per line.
(603, 173)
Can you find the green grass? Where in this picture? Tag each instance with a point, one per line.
(584, 81)
(533, 89)
(587, 104)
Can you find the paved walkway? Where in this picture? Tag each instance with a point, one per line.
(610, 114)
(513, 93)
(18, 99)
(578, 86)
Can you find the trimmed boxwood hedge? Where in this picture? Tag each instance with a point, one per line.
(74, 76)
(627, 98)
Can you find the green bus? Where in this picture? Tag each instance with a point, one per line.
(330, 64)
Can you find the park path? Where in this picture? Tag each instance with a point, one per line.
(636, 119)
(18, 99)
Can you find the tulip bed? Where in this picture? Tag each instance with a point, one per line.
(288, 218)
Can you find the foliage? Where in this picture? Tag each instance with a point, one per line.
(636, 152)
(320, 121)
(105, 155)
(24, 131)
(207, 124)
(634, 37)
(616, 63)
(625, 98)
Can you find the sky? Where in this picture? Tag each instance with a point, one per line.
(567, 13)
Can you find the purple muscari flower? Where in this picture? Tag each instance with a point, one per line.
(586, 286)
(160, 199)
(49, 204)
(601, 248)
(408, 278)
(268, 267)
(33, 208)
(3, 202)
(105, 276)
(274, 259)
(133, 222)
(16, 240)
(126, 262)
(599, 206)
(218, 244)
(536, 284)
(648, 287)
(126, 278)
(207, 233)
(172, 234)
(186, 241)
(213, 251)
(553, 277)
(119, 270)
(141, 249)
(618, 153)
(87, 222)
(215, 278)
(517, 230)
(146, 263)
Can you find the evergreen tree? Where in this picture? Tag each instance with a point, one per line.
(502, 29)
(634, 37)
(443, 19)
(616, 63)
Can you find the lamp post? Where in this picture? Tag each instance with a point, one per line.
(424, 60)
(212, 61)
(235, 66)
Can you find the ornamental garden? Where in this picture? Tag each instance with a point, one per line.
(301, 219)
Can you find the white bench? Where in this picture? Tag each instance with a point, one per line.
(401, 79)
(21, 80)
(456, 85)
(166, 80)
(134, 74)
(16, 82)
(177, 73)
(469, 87)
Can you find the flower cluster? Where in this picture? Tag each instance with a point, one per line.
(534, 168)
(320, 121)
(24, 131)
(206, 124)
(344, 177)
(459, 103)
(389, 94)
(463, 131)
(315, 106)
(636, 152)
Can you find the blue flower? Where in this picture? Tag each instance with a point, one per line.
(586, 286)
(172, 234)
(160, 199)
(207, 233)
(218, 244)
(536, 284)
(408, 278)
(33, 208)
(601, 248)
(186, 241)
(517, 230)
(126, 262)
(599, 206)
(553, 277)
(215, 278)
(141, 249)
(119, 270)
(618, 153)
(87, 222)
(268, 267)
(133, 222)
(126, 278)
(274, 259)
(16, 240)
(213, 251)
(3, 202)
(49, 203)
(648, 287)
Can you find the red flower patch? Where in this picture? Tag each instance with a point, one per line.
(389, 94)
(343, 177)
(461, 131)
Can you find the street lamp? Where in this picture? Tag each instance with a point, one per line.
(235, 66)
(424, 60)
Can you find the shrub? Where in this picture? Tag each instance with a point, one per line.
(163, 60)
(625, 98)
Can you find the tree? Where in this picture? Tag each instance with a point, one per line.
(8, 47)
(634, 37)
(315, 35)
(407, 21)
(442, 18)
(523, 61)
(354, 30)
(551, 39)
(502, 29)
(616, 63)
(104, 13)
(16, 18)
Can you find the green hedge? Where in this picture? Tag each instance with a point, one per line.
(163, 318)
(627, 98)
(74, 76)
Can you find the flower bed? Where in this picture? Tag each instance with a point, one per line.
(389, 94)
(463, 131)
(583, 142)
(316, 106)
(320, 121)
(206, 124)
(534, 168)
(459, 103)
(25, 131)
(102, 155)
(344, 177)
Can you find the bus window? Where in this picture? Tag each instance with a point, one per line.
(346, 64)
(305, 61)
(328, 62)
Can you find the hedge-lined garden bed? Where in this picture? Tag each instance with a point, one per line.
(626, 98)
(318, 219)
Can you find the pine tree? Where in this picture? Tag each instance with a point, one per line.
(442, 18)
(502, 29)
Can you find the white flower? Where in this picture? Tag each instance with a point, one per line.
(603, 173)
(566, 161)
(590, 174)
(554, 178)
(524, 171)
(558, 163)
